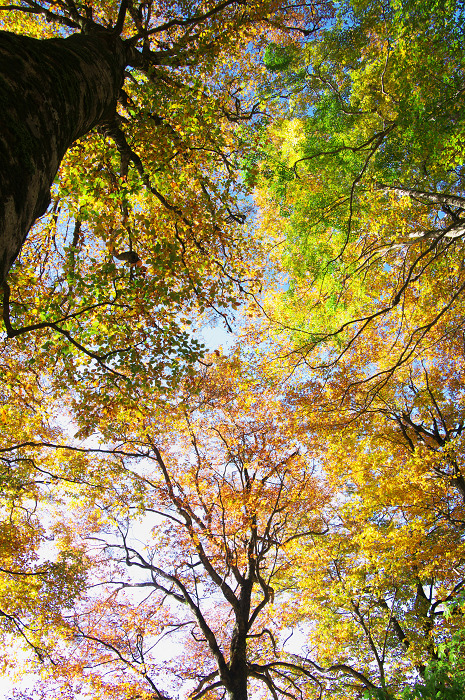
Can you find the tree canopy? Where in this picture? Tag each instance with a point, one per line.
(365, 173)
(283, 519)
(143, 106)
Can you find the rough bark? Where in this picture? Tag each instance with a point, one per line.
(52, 92)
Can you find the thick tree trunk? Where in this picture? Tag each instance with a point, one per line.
(238, 668)
(51, 92)
(237, 689)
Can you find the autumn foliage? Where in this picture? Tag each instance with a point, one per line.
(285, 518)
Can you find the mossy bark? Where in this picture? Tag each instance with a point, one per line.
(52, 92)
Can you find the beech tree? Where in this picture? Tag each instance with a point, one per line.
(240, 515)
(221, 491)
(57, 90)
(141, 107)
(54, 91)
(230, 505)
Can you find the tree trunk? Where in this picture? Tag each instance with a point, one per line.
(237, 687)
(238, 669)
(52, 92)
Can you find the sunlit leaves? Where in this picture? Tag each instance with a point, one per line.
(188, 547)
